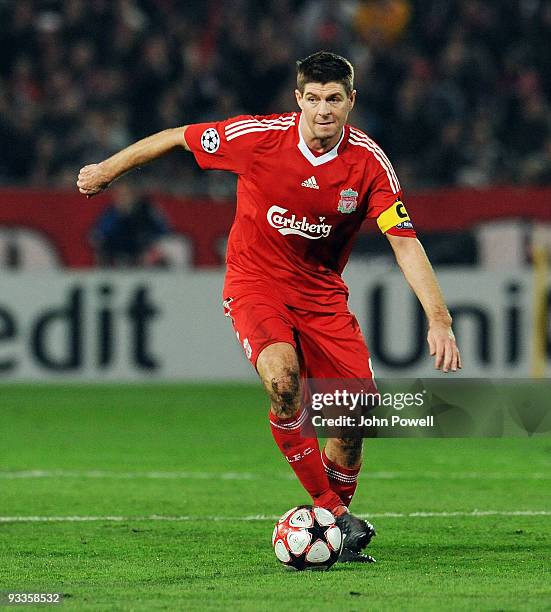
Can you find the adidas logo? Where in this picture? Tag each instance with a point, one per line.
(311, 183)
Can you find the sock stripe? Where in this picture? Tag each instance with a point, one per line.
(348, 478)
(339, 476)
(295, 424)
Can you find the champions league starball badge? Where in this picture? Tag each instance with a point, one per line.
(348, 202)
(210, 140)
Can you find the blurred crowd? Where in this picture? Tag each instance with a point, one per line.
(458, 92)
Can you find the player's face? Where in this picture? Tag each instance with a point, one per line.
(325, 108)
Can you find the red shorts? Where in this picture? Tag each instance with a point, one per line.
(329, 345)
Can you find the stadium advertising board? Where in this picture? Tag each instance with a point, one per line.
(161, 326)
(34, 222)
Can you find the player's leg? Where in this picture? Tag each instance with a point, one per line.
(342, 460)
(279, 369)
(267, 335)
(333, 348)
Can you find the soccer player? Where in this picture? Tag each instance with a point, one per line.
(306, 182)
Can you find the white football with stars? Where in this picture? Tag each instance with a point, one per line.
(307, 538)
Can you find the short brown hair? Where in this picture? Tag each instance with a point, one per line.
(325, 67)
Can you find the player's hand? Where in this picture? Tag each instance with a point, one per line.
(443, 347)
(92, 179)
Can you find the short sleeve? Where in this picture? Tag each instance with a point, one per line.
(385, 203)
(216, 145)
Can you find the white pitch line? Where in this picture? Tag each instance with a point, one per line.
(192, 475)
(25, 474)
(260, 517)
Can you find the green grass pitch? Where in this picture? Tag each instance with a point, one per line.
(179, 485)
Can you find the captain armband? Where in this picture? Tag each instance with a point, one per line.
(395, 216)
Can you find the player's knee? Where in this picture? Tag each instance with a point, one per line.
(284, 390)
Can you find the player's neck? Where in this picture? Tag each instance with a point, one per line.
(317, 145)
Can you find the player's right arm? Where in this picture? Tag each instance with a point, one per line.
(96, 177)
(219, 145)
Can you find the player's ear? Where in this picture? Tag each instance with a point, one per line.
(299, 98)
(352, 99)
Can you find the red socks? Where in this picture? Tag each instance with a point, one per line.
(342, 480)
(304, 457)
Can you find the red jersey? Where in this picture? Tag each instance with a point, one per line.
(297, 211)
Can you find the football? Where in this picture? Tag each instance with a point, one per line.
(307, 538)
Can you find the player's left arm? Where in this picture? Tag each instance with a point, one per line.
(413, 261)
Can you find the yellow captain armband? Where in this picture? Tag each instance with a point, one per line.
(395, 215)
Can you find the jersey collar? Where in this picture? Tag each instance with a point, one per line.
(321, 159)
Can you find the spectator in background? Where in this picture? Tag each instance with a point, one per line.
(80, 80)
(536, 169)
(387, 19)
(128, 231)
